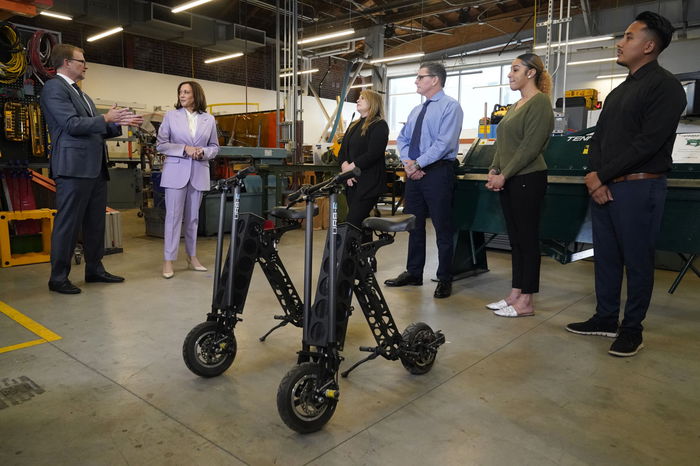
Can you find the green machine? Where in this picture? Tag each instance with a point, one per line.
(565, 231)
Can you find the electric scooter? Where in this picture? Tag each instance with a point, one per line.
(308, 394)
(210, 348)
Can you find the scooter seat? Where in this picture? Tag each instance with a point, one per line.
(297, 212)
(393, 224)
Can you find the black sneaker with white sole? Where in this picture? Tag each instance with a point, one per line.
(626, 344)
(594, 326)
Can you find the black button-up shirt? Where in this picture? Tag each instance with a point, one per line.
(637, 127)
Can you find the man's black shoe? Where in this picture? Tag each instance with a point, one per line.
(65, 287)
(404, 279)
(626, 344)
(443, 290)
(593, 326)
(105, 277)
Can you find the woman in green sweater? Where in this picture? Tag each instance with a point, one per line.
(519, 175)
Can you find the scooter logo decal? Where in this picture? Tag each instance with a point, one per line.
(334, 225)
(236, 205)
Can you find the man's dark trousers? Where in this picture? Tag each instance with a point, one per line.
(81, 206)
(625, 231)
(431, 196)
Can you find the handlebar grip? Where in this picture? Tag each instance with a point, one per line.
(343, 177)
(294, 197)
(245, 172)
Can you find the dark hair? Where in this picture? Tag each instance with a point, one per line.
(658, 26)
(200, 102)
(62, 52)
(438, 70)
(543, 80)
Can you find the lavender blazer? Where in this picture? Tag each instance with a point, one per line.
(173, 135)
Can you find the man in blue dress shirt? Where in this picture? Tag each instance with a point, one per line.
(428, 145)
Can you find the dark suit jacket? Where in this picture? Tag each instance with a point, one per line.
(368, 154)
(77, 138)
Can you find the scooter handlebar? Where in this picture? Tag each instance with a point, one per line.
(343, 177)
(245, 172)
(235, 179)
(336, 180)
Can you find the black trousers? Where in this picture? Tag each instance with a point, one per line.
(521, 201)
(81, 204)
(431, 196)
(624, 237)
(358, 208)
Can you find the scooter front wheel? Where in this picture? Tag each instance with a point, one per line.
(420, 350)
(209, 349)
(301, 402)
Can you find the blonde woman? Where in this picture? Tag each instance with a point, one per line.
(363, 146)
(519, 174)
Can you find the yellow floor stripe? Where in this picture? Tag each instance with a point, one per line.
(7, 349)
(29, 324)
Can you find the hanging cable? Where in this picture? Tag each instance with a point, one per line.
(39, 51)
(12, 60)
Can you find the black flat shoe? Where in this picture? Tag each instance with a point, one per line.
(65, 287)
(443, 290)
(105, 277)
(404, 279)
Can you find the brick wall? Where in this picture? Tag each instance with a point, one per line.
(255, 69)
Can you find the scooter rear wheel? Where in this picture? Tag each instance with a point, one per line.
(419, 338)
(208, 349)
(300, 403)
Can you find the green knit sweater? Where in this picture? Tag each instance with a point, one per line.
(522, 136)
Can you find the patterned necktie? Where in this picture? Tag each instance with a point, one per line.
(414, 146)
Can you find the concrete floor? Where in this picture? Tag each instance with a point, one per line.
(114, 389)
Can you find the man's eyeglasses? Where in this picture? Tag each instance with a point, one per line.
(421, 76)
(78, 60)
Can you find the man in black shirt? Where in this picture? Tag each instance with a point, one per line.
(630, 155)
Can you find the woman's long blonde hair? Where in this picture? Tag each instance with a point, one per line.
(376, 110)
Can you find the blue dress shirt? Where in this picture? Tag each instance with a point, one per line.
(440, 132)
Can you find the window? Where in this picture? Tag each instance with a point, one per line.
(474, 89)
(402, 99)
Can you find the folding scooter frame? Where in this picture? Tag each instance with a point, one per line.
(210, 347)
(308, 394)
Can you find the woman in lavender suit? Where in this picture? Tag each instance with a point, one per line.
(188, 138)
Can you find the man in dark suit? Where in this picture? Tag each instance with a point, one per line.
(79, 167)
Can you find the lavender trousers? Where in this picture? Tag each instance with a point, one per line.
(181, 203)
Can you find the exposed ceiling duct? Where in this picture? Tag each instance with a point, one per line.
(156, 21)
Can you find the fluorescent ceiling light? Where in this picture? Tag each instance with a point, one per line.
(330, 35)
(576, 42)
(56, 15)
(599, 60)
(398, 57)
(105, 34)
(223, 57)
(608, 76)
(356, 86)
(188, 5)
(286, 75)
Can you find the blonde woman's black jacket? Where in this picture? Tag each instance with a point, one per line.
(367, 151)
